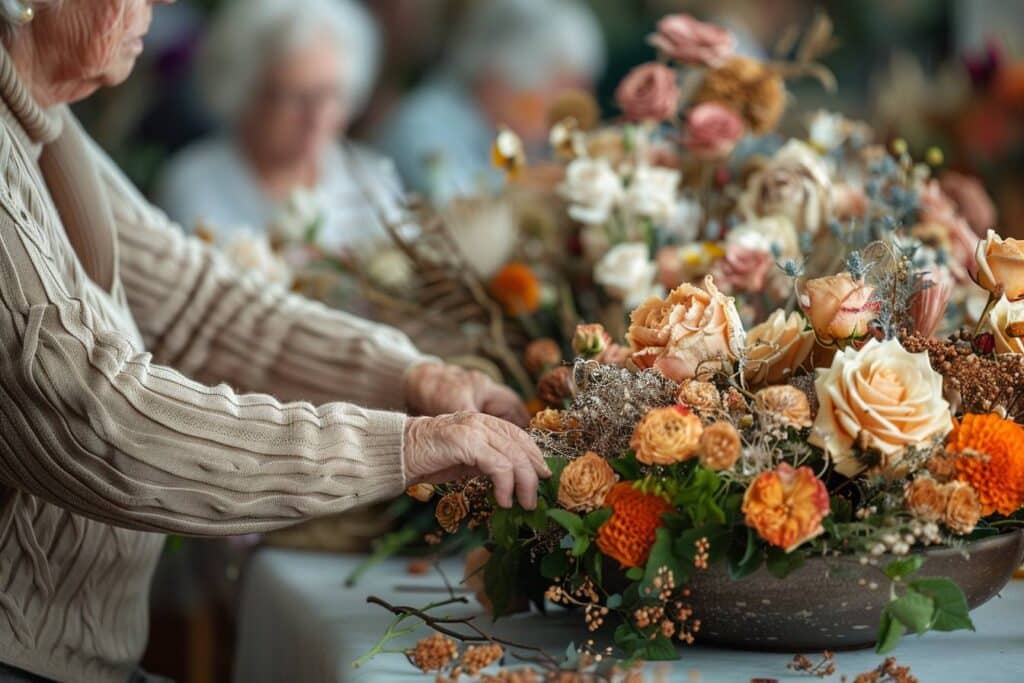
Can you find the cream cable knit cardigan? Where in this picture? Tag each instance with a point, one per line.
(114, 329)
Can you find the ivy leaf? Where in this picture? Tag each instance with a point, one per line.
(661, 649)
(571, 522)
(635, 573)
(504, 527)
(914, 610)
(580, 546)
(744, 557)
(554, 565)
(904, 566)
(596, 519)
(951, 610)
(627, 467)
(662, 555)
(889, 633)
(549, 487)
(500, 575)
(781, 564)
(613, 601)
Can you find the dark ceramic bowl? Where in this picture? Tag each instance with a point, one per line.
(822, 605)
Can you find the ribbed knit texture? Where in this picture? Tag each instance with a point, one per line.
(109, 436)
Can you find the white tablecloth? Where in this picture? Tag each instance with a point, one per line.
(298, 622)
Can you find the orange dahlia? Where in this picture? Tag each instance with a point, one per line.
(517, 289)
(990, 458)
(629, 535)
(786, 506)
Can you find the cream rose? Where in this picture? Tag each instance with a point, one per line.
(777, 347)
(1006, 322)
(652, 193)
(593, 189)
(795, 184)
(838, 307)
(692, 327)
(627, 272)
(1001, 266)
(881, 396)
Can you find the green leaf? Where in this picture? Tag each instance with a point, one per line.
(627, 467)
(662, 555)
(613, 601)
(904, 566)
(554, 565)
(596, 519)
(951, 610)
(661, 649)
(889, 633)
(635, 573)
(914, 610)
(571, 522)
(549, 487)
(500, 577)
(744, 556)
(781, 564)
(842, 509)
(580, 546)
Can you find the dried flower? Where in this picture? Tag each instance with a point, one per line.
(692, 328)
(928, 306)
(881, 397)
(963, 509)
(683, 38)
(795, 183)
(555, 386)
(585, 482)
(451, 510)
(549, 420)
(508, 153)
(542, 355)
(990, 460)
(1001, 266)
(784, 405)
(590, 341)
(476, 658)
(517, 289)
(720, 446)
(926, 499)
(649, 93)
(786, 506)
(421, 492)
(777, 347)
(433, 653)
(712, 131)
(652, 193)
(667, 436)
(629, 534)
(751, 88)
(702, 397)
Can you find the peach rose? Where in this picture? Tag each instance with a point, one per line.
(838, 307)
(683, 38)
(795, 184)
(777, 347)
(585, 482)
(590, 341)
(712, 131)
(1001, 266)
(784, 405)
(963, 509)
(1006, 322)
(649, 93)
(926, 499)
(882, 397)
(666, 436)
(786, 506)
(690, 328)
(720, 446)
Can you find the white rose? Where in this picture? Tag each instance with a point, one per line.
(827, 130)
(627, 273)
(251, 252)
(300, 213)
(1006, 322)
(593, 189)
(883, 396)
(685, 222)
(652, 193)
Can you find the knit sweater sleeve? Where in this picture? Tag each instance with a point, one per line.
(198, 314)
(93, 425)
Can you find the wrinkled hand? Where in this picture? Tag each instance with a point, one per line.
(436, 389)
(450, 447)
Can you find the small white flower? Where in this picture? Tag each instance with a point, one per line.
(627, 273)
(827, 130)
(303, 210)
(653, 193)
(251, 252)
(684, 223)
(390, 269)
(593, 189)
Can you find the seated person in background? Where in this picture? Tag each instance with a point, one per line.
(509, 60)
(284, 78)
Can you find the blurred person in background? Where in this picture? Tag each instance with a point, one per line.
(508, 62)
(284, 79)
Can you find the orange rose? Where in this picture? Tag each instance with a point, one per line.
(692, 328)
(630, 533)
(777, 347)
(585, 482)
(720, 446)
(926, 499)
(666, 436)
(517, 289)
(839, 307)
(784, 405)
(541, 355)
(786, 506)
(1001, 266)
(963, 509)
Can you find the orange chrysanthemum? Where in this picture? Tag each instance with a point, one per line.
(517, 289)
(991, 460)
(786, 506)
(629, 535)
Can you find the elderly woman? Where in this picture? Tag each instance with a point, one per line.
(509, 61)
(284, 78)
(114, 329)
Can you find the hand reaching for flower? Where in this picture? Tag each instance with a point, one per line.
(451, 447)
(436, 389)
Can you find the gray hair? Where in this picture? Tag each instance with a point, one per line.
(524, 41)
(248, 36)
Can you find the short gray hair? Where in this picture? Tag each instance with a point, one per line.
(526, 40)
(248, 36)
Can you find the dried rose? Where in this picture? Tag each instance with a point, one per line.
(451, 510)
(838, 307)
(784, 405)
(666, 436)
(683, 38)
(649, 93)
(777, 347)
(420, 492)
(926, 499)
(963, 509)
(591, 341)
(720, 446)
(555, 386)
(702, 397)
(541, 355)
(1001, 266)
(585, 482)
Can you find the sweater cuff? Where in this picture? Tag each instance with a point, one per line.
(383, 445)
(394, 370)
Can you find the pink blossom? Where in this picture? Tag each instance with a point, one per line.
(936, 207)
(971, 200)
(928, 306)
(712, 130)
(689, 41)
(649, 92)
(743, 268)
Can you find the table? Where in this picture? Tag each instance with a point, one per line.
(299, 622)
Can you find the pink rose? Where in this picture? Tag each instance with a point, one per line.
(689, 41)
(649, 92)
(928, 306)
(971, 199)
(712, 130)
(936, 207)
(744, 268)
(838, 307)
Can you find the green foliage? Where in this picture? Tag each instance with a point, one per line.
(932, 604)
(781, 564)
(904, 566)
(745, 555)
(627, 467)
(663, 554)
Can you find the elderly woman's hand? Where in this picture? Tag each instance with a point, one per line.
(436, 389)
(450, 447)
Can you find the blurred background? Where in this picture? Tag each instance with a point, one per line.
(235, 102)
